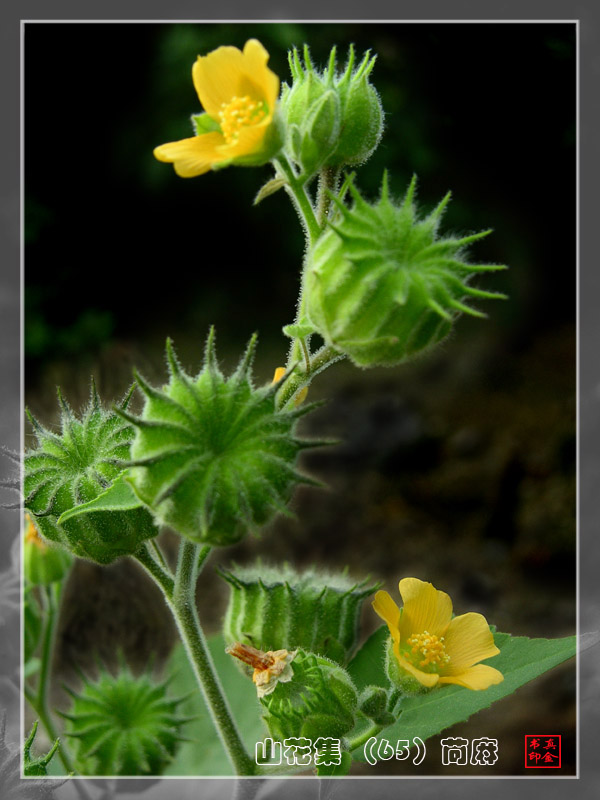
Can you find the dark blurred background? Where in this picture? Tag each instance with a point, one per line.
(458, 468)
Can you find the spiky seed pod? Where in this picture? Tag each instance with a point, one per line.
(303, 694)
(73, 485)
(332, 119)
(212, 456)
(123, 725)
(382, 286)
(276, 607)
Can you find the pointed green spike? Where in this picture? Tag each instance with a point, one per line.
(290, 57)
(473, 237)
(440, 208)
(361, 70)
(94, 396)
(298, 65)
(175, 369)
(435, 306)
(481, 293)
(385, 193)
(244, 368)
(210, 353)
(410, 193)
(349, 66)
(466, 309)
(370, 66)
(331, 66)
(128, 395)
(307, 60)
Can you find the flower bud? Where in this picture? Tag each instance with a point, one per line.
(333, 120)
(43, 562)
(212, 456)
(304, 695)
(381, 286)
(275, 607)
(123, 725)
(74, 487)
(372, 702)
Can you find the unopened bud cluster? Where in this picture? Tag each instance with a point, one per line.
(332, 119)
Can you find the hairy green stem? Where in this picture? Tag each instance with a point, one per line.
(329, 178)
(38, 700)
(364, 737)
(180, 595)
(145, 557)
(300, 378)
(296, 188)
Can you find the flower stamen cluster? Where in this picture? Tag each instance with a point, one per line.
(431, 647)
(240, 112)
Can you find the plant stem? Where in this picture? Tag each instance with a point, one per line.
(328, 182)
(154, 569)
(322, 359)
(180, 597)
(364, 737)
(38, 700)
(296, 188)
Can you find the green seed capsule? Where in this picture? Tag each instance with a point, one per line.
(304, 695)
(381, 286)
(276, 607)
(123, 725)
(212, 456)
(74, 488)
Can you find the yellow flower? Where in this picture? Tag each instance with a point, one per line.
(430, 645)
(239, 93)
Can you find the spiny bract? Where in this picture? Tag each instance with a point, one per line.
(276, 607)
(123, 725)
(73, 488)
(381, 286)
(212, 456)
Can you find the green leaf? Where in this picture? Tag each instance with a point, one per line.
(269, 188)
(367, 668)
(520, 661)
(298, 330)
(119, 497)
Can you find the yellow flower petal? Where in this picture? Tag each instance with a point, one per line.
(256, 60)
(428, 679)
(468, 640)
(389, 612)
(228, 72)
(193, 156)
(477, 678)
(425, 608)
